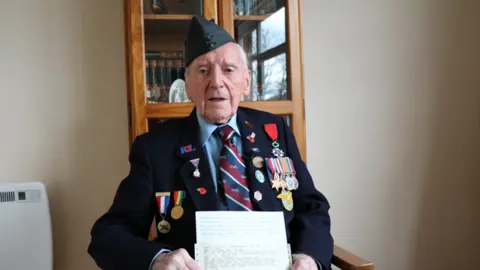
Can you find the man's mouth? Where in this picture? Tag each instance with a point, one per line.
(217, 99)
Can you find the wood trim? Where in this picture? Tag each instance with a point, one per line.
(259, 18)
(294, 63)
(176, 110)
(226, 15)
(136, 67)
(344, 259)
(172, 17)
(210, 10)
(128, 60)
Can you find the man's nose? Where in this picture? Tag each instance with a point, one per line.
(216, 78)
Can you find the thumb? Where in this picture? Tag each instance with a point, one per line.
(190, 263)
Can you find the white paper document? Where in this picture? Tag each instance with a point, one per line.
(241, 240)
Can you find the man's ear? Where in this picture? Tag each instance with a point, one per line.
(248, 79)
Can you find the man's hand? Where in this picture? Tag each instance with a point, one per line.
(303, 262)
(178, 259)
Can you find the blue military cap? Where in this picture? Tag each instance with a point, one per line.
(204, 36)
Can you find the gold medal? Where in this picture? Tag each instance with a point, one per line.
(258, 162)
(177, 212)
(287, 200)
(163, 226)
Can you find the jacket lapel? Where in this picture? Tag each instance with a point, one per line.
(258, 148)
(201, 188)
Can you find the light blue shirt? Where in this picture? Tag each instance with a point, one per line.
(213, 145)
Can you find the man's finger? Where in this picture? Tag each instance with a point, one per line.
(190, 263)
(296, 266)
(179, 261)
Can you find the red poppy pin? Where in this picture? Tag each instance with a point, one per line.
(202, 190)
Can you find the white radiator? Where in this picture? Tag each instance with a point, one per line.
(25, 227)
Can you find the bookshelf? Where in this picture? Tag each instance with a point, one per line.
(268, 30)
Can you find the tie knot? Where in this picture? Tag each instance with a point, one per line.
(225, 133)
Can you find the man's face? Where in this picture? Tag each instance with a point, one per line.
(216, 81)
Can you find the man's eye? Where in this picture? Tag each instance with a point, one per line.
(202, 70)
(230, 70)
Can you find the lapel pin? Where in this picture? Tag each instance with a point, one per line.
(255, 150)
(186, 149)
(202, 190)
(251, 137)
(195, 161)
(258, 195)
(257, 162)
(259, 175)
(248, 124)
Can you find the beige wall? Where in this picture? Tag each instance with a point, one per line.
(393, 111)
(393, 108)
(63, 111)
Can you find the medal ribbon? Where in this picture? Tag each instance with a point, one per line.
(290, 163)
(163, 199)
(195, 162)
(271, 130)
(286, 168)
(278, 166)
(178, 197)
(271, 168)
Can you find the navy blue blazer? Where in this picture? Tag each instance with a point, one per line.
(119, 237)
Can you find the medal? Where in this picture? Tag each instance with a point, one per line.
(196, 173)
(277, 152)
(163, 198)
(177, 211)
(272, 132)
(163, 226)
(277, 183)
(289, 183)
(287, 200)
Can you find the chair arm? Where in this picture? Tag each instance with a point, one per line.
(344, 259)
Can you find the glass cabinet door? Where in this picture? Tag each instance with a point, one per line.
(260, 28)
(165, 28)
(269, 32)
(155, 34)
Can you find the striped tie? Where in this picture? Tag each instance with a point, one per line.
(232, 171)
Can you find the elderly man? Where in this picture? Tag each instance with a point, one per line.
(221, 157)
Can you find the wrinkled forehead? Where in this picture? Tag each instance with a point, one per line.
(226, 54)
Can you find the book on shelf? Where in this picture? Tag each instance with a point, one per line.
(162, 68)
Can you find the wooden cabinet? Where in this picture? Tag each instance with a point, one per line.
(268, 30)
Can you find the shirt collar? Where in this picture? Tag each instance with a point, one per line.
(207, 128)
